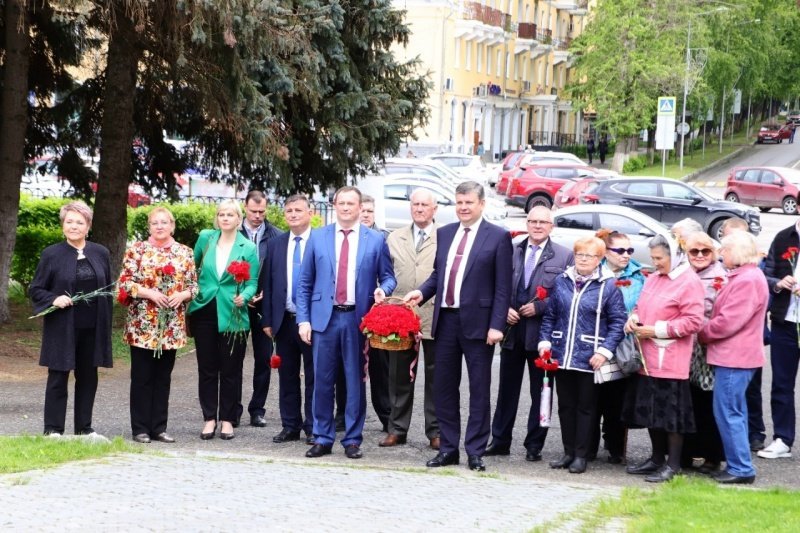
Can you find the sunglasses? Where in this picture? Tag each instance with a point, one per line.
(621, 251)
(696, 252)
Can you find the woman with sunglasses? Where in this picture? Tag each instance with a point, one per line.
(706, 442)
(668, 314)
(611, 395)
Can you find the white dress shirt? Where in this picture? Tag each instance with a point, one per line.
(451, 254)
(352, 240)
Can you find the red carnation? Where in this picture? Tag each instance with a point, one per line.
(240, 270)
(787, 256)
(275, 361)
(123, 297)
(623, 283)
(168, 270)
(541, 293)
(793, 250)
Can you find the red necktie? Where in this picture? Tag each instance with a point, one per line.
(341, 274)
(450, 296)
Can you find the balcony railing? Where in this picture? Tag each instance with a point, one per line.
(526, 30)
(488, 15)
(550, 138)
(562, 44)
(544, 36)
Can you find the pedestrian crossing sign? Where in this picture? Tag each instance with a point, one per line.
(666, 106)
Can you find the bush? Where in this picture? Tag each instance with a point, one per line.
(190, 219)
(31, 240)
(634, 163)
(41, 212)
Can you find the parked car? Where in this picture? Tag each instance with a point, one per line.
(516, 160)
(469, 167)
(584, 171)
(773, 133)
(392, 201)
(570, 193)
(539, 183)
(765, 188)
(575, 222)
(668, 201)
(793, 117)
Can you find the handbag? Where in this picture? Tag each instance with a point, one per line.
(628, 356)
(610, 371)
(701, 374)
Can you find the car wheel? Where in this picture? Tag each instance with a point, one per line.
(732, 197)
(764, 209)
(716, 229)
(789, 205)
(538, 199)
(758, 141)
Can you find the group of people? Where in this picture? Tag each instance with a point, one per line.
(601, 148)
(697, 322)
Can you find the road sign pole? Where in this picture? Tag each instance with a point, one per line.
(663, 163)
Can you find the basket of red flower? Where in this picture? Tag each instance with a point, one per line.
(391, 325)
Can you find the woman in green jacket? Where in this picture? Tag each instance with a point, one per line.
(227, 275)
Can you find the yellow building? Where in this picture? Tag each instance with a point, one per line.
(498, 69)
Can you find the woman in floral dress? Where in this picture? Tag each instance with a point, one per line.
(158, 278)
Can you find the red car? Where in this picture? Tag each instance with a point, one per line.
(539, 183)
(774, 133)
(570, 193)
(765, 187)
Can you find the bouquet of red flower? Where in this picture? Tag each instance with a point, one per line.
(546, 363)
(166, 286)
(240, 271)
(391, 327)
(791, 255)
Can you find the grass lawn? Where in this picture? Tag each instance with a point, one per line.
(34, 452)
(692, 504)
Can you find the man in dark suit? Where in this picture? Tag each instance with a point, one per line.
(472, 272)
(538, 261)
(256, 228)
(342, 264)
(280, 274)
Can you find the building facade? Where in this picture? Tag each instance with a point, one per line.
(499, 68)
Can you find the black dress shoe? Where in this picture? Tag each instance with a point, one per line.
(258, 421)
(476, 463)
(286, 436)
(647, 467)
(577, 466)
(497, 449)
(143, 438)
(564, 462)
(353, 451)
(318, 450)
(226, 436)
(665, 473)
(614, 459)
(443, 459)
(730, 479)
(709, 468)
(210, 435)
(533, 456)
(163, 437)
(310, 440)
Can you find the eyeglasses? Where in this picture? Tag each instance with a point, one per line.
(585, 256)
(696, 252)
(538, 222)
(621, 251)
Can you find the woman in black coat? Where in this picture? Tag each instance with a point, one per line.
(75, 337)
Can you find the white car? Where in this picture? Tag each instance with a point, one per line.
(538, 156)
(393, 204)
(428, 167)
(469, 167)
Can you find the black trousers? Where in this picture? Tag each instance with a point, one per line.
(151, 378)
(262, 351)
(294, 406)
(401, 389)
(577, 410)
(706, 441)
(610, 398)
(755, 412)
(219, 365)
(379, 384)
(55, 396)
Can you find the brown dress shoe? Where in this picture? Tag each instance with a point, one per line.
(392, 440)
(435, 441)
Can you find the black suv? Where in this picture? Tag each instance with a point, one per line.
(669, 201)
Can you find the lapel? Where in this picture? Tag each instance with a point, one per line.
(480, 239)
(281, 253)
(330, 240)
(363, 236)
(210, 258)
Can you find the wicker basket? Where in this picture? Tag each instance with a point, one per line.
(404, 343)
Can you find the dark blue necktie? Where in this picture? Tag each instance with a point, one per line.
(295, 268)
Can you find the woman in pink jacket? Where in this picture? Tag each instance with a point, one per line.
(734, 337)
(668, 314)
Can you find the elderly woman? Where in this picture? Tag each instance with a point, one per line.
(219, 317)
(682, 229)
(706, 441)
(75, 337)
(668, 314)
(582, 326)
(733, 336)
(157, 279)
(611, 395)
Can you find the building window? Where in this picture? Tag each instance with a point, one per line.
(516, 67)
(468, 56)
(489, 54)
(479, 57)
(508, 63)
(499, 62)
(457, 54)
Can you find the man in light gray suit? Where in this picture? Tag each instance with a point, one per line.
(413, 249)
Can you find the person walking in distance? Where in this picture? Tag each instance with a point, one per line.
(590, 148)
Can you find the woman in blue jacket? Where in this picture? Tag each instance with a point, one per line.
(582, 326)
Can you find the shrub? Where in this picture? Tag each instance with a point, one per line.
(31, 240)
(634, 163)
(40, 211)
(190, 219)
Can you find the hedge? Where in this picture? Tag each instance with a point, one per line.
(31, 240)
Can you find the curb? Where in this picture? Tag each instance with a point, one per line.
(719, 162)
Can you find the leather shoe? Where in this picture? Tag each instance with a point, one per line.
(435, 443)
(310, 440)
(709, 468)
(476, 463)
(143, 438)
(564, 462)
(730, 479)
(392, 440)
(665, 473)
(577, 466)
(443, 459)
(614, 459)
(318, 450)
(647, 467)
(164, 437)
(209, 435)
(286, 436)
(226, 436)
(497, 449)
(353, 451)
(533, 456)
(258, 421)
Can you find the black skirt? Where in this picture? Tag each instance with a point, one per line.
(659, 403)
